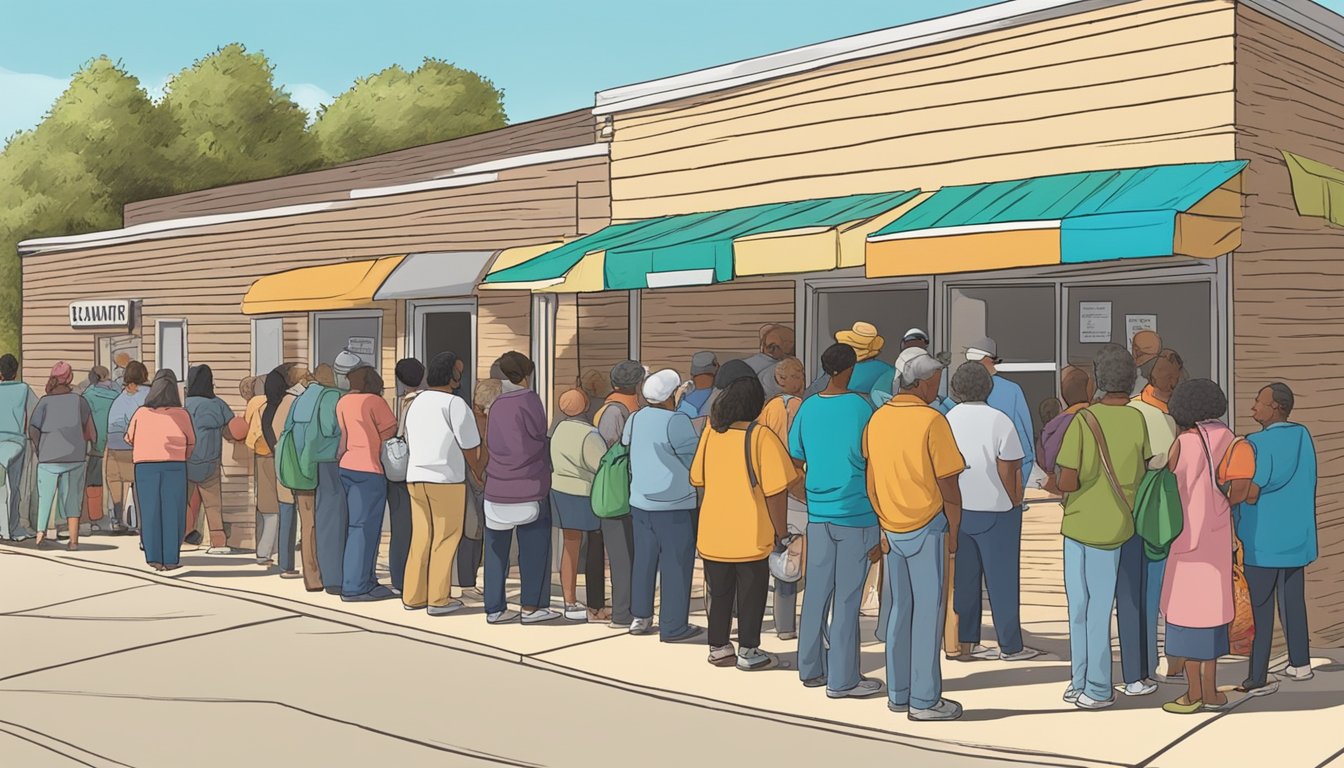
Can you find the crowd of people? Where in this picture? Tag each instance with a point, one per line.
(870, 473)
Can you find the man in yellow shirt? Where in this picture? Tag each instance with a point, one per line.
(913, 464)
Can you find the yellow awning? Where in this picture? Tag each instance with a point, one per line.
(345, 285)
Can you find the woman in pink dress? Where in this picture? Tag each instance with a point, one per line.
(1197, 589)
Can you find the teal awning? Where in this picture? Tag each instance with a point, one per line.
(1100, 215)
(701, 243)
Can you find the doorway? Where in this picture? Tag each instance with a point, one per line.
(893, 309)
(114, 352)
(446, 326)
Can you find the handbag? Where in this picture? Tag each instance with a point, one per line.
(396, 454)
(788, 561)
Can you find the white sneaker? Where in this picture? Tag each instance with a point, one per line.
(473, 593)
(444, 610)
(502, 617)
(1299, 674)
(945, 709)
(1071, 696)
(866, 688)
(642, 626)
(219, 551)
(755, 660)
(1022, 655)
(540, 615)
(1087, 702)
(1140, 688)
(576, 612)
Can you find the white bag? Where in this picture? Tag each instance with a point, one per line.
(786, 562)
(506, 517)
(396, 453)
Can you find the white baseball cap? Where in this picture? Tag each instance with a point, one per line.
(915, 365)
(660, 386)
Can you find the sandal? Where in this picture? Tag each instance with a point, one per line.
(1177, 708)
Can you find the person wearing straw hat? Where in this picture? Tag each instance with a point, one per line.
(870, 373)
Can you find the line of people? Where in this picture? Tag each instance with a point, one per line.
(746, 466)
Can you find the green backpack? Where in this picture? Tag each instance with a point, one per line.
(288, 469)
(611, 484)
(1157, 512)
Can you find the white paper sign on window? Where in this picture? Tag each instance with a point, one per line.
(364, 346)
(1136, 323)
(1094, 322)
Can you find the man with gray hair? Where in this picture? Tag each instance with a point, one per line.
(913, 464)
(626, 378)
(1007, 397)
(990, 538)
(1102, 460)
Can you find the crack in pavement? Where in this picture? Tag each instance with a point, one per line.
(435, 745)
(15, 728)
(109, 618)
(71, 600)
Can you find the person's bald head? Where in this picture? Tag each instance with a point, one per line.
(777, 341)
(1145, 347)
(1075, 384)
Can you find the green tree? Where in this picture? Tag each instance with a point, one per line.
(101, 144)
(233, 123)
(394, 109)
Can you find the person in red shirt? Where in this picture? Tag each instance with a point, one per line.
(366, 421)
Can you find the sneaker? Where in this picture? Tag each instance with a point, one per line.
(194, 538)
(1087, 702)
(945, 709)
(395, 591)
(1299, 674)
(472, 593)
(414, 607)
(642, 626)
(624, 626)
(901, 708)
(1270, 686)
(755, 660)
(867, 688)
(977, 652)
(576, 612)
(788, 636)
(815, 682)
(502, 617)
(1071, 696)
(723, 656)
(1140, 688)
(290, 575)
(219, 551)
(687, 635)
(1022, 655)
(377, 593)
(443, 610)
(540, 615)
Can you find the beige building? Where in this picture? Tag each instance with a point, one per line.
(1054, 174)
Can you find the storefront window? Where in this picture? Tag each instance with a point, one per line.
(171, 347)
(1181, 313)
(268, 344)
(358, 332)
(892, 310)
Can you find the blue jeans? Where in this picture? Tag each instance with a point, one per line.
(288, 536)
(60, 485)
(837, 566)
(332, 523)
(914, 571)
(534, 563)
(664, 551)
(989, 549)
(1138, 632)
(366, 494)
(1089, 585)
(161, 493)
(1157, 569)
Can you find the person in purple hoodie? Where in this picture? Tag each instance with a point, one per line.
(517, 496)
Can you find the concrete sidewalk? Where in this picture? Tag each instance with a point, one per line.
(1012, 710)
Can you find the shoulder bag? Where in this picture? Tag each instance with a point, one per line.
(1090, 419)
(396, 453)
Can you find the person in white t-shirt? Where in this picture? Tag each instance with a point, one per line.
(989, 542)
(443, 445)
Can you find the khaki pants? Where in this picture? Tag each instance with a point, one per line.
(268, 500)
(118, 477)
(306, 504)
(212, 502)
(437, 512)
(951, 646)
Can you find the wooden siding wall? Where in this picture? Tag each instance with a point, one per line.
(503, 324)
(430, 161)
(565, 374)
(604, 330)
(1138, 84)
(726, 319)
(1288, 276)
(203, 276)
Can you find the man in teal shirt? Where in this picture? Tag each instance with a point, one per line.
(17, 402)
(1277, 530)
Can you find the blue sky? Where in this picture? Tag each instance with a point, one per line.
(548, 55)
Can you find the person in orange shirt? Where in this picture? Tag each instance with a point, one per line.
(161, 439)
(913, 469)
(366, 421)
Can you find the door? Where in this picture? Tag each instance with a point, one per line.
(359, 332)
(1021, 319)
(268, 344)
(892, 309)
(446, 327)
(114, 352)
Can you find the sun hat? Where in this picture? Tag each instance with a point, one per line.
(864, 338)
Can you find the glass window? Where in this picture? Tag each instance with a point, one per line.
(892, 310)
(1181, 313)
(1020, 320)
(171, 346)
(361, 334)
(268, 351)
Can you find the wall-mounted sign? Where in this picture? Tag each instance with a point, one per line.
(364, 346)
(109, 313)
(1094, 322)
